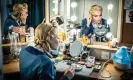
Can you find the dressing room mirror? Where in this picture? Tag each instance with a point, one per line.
(74, 11)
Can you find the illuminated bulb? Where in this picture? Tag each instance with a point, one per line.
(110, 6)
(55, 1)
(109, 21)
(73, 18)
(71, 26)
(53, 9)
(109, 35)
(73, 4)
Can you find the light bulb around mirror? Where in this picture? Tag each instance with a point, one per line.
(109, 21)
(73, 4)
(109, 35)
(73, 18)
(54, 9)
(55, 1)
(110, 7)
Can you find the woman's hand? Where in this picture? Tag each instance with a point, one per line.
(89, 19)
(70, 73)
(23, 16)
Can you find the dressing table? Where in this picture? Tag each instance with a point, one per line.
(13, 68)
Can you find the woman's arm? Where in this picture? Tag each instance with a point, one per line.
(8, 26)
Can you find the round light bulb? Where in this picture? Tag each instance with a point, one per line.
(73, 18)
(73, 4)
(55, 1)
(109, 35)
(54, 9)
(110, 6)
(109, 21)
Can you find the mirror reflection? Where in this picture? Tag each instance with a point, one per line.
(96, 19)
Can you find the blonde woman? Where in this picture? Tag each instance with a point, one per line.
(94, 20)
(12, 24)
(18, 18)
(35, 62)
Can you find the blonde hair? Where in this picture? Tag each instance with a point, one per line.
(95, 8)
(17, 8)
(43, 33)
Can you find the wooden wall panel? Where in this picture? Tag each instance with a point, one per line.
(127, 30)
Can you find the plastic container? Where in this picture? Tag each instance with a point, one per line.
(121, 59)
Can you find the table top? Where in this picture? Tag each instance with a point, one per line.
(109, 70)
(96, 46)
(102, 47)
(13, 67)
(18, 44)
(63, 66)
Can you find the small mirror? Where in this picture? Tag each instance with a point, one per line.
(76, 48)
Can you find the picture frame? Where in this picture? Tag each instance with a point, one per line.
(128, 4)
(129, 16)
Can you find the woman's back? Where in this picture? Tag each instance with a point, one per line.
(35, 65)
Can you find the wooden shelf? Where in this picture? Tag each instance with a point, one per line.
(102, 47)
(18, 44)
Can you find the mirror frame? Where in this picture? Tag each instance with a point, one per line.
(47, 7)
(120, 21)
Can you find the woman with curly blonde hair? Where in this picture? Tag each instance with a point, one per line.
(20, 12)
(18, 18)
(35, 61)
(95, 13)
(94, 21)
(12, 24)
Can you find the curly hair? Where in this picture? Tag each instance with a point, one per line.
(43, 33)
(95, 8)
(17, 8)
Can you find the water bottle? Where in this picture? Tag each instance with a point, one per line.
(14, 48)
(30, 35)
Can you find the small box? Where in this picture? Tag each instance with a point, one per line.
(22, 38)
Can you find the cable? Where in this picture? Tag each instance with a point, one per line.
(105, 69)
(106, 76)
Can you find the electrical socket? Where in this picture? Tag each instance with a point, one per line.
(112, 54)
(105, 55)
